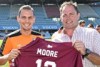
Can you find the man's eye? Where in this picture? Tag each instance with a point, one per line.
(64, 15)
(23, 17)
(30, 17)
(71, 14)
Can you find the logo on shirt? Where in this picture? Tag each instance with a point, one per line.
(49, 46)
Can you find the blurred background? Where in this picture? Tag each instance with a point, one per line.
(47, 14)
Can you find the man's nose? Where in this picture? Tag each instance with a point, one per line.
(27, 20)
(68, 17)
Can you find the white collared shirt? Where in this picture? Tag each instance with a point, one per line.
(90, 37)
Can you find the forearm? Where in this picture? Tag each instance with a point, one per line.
(94, 58)
(3, 59)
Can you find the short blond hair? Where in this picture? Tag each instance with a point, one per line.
(27, 7)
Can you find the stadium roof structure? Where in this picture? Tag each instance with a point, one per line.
(43, 1)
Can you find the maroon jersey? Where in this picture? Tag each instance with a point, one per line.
(42, 53)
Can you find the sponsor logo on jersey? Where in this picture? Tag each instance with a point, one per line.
(49, 46)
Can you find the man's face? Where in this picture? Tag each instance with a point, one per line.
(82, 24)
(69, 17)
(98, 29)
(26, 19)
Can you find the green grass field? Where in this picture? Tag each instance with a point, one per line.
(0, 42)
(7, 64)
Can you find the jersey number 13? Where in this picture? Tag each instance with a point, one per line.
(46, 64)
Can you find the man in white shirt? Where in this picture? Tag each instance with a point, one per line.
(85, 40)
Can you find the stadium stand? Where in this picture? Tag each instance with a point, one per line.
(13, 10)
(86, 11)
(52, 10)
(50, 1)
(34, 1)
(96, 9)
(4, 2)
(98, 21)
(45, 11)
(4, 11)
(47, 35)
(39, 11)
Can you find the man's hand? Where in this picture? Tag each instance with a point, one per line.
(79, 45)
(13, 54)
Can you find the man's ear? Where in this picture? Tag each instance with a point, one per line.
(78, 15)
(34, 18)
(17, 18)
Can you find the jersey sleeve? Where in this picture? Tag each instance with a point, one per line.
(3, 45)
(8, 46)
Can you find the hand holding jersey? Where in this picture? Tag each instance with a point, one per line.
(79, 45)
(13, 54)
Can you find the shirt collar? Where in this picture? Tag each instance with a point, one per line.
(76, 29)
